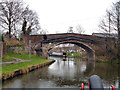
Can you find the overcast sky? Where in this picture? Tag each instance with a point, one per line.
(58, 15)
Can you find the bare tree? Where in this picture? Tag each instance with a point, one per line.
(116, 22)
(106, 25)
(10, 14)
(111, 23)
(70, 30)
(105, 28)
(24, 27)
(31, 23)
(80, 29)
(43, 31)
(17, 19)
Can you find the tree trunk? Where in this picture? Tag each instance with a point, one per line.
(9, 30)
(118, 27)
(24, 27)
(118, 47)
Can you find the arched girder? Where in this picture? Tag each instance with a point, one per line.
(90, 51)
(51, 40)
(64, 38)
(81, 40)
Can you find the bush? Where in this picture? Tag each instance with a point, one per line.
(19, 50)
(1, 38)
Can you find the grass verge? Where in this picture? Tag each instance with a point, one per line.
(77, 54)
(7, 59)
(24, 65)
(103, 59)
(23, 56)
(34, 61)
(73, 54)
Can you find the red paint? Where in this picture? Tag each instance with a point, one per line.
(35, 54)
(89, 85)
(64, 56)
(113, 88)
(82, 86)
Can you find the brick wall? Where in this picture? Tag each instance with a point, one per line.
(2, 49)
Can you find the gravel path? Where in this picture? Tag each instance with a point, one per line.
(18, 60)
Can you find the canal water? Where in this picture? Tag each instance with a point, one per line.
(69, 73)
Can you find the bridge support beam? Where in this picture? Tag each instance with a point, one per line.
(44, 53)
(91, 55)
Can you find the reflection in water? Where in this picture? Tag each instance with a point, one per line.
(66, 73)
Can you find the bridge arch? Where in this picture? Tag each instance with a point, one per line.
(89, 50)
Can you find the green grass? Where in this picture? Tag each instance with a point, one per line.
(7, 59)
(12, 67)
(74, 54)
(108, 61)
(21, 56)
(34, 61)
(105, 60)
(24, 56)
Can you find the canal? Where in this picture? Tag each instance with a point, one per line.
(69, 73)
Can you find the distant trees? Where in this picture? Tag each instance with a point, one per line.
(43, 31)
(80, 29)
(116, 23)
(105, 23)
(10, 14)
(111, 23)
(70, 30)
(17, 19)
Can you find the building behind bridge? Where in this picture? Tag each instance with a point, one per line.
(112, 35)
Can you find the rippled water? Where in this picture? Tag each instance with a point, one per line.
(69, 73)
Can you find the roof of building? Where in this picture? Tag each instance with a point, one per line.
(105, 35)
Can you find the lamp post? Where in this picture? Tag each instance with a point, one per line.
(80, 53)
(30, 49)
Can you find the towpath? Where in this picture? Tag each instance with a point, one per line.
(18, 60)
